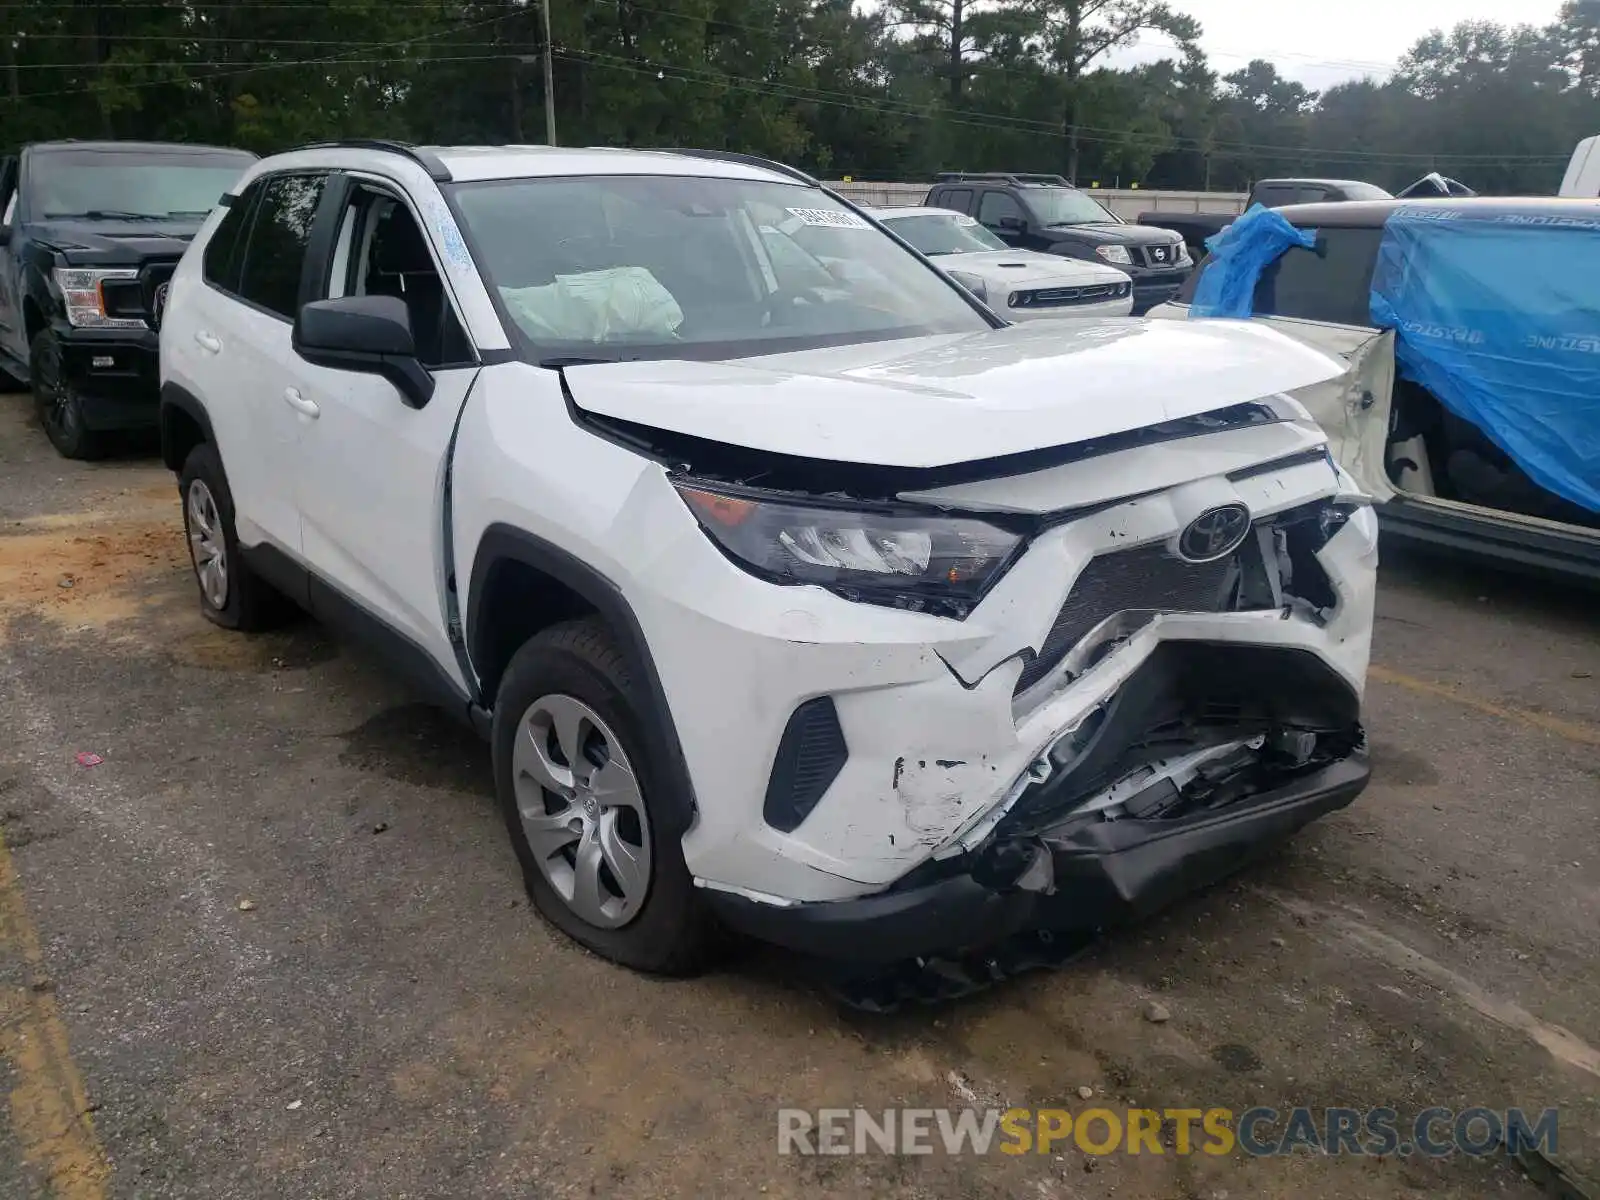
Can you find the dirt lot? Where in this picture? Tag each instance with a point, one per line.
(274, 944)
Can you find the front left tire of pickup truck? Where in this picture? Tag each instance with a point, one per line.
(586, 807)
(231, 595)
(58, 403)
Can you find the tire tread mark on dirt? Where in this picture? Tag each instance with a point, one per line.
(1561, 1044)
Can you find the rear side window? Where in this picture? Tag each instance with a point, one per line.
(275, 254)
(225, 251)
(997, 205)
(1331, 283)
(1277, 195)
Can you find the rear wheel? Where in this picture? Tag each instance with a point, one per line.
(58, 403)
(588, 809)
(231, 595)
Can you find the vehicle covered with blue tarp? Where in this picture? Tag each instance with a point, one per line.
(1474, 328)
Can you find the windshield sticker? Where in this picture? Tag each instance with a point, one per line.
(963, 219)
(828, 217)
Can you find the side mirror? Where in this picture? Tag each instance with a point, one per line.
(370, 334)
(1013, 224)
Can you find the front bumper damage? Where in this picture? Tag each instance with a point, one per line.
(1208, 754)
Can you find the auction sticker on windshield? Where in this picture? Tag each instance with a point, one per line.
(829, 217)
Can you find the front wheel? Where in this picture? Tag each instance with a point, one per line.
(587, 808)
(58, 403)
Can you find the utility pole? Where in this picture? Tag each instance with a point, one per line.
(549, 76)
(549, 80)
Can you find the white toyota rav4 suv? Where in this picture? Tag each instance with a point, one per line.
(822, 607)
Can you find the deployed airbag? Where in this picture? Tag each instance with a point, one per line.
(616, 304)
(1496, 316)
(1238, 256)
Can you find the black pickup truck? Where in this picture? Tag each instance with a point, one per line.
(90, 232)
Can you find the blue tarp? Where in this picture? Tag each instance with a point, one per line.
(1498, 316)
(1238, 256)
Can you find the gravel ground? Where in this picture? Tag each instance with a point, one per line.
(274, 943)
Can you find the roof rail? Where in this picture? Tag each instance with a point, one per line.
(1002, 176)
(431, 163)
(749, 160)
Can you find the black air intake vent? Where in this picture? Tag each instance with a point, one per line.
(810, 757)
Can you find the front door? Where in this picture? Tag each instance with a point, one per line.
(372, 468)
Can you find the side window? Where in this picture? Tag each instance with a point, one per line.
(275, 251)
(959, 199)
(1331, 283)
(995, 207)
(1311, 194)
(225, 251)
(382, 251)
(1275, 196)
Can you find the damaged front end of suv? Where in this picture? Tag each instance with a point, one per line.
(1089, 678)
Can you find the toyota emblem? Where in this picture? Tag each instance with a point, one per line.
(1215, 533)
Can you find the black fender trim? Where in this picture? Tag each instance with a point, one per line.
(504, 543)
(185, 401)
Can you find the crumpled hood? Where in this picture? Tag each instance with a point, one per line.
(115, 243)
(1029, 268)
(938, 401)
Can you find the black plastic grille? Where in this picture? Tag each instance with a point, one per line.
(1146, 577)
(1063, 297)
(810, 756)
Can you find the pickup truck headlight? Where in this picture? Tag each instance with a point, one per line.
(81, 293)
(920, 562)
(1114, 254)
(973, 284)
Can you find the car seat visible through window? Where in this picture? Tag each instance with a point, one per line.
(401, 266)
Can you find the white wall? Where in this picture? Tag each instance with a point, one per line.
(1127, 203)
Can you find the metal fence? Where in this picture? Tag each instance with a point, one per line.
(1127, 203)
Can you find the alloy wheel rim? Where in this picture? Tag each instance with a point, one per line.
(582, 810)
(206, 545)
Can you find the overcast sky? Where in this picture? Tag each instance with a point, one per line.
(1321, 42)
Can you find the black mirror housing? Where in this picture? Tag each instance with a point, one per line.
(1013, 224)
(370, 334)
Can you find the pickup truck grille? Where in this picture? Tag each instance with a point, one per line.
(138, 299)
(1065, 297)
(1160, 256)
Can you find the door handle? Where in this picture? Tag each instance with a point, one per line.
(306, 408)
(208, 342)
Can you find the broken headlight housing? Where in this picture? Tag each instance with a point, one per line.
(922, 562)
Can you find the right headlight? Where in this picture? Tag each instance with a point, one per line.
(1114, 254)
(920, 562)
(84, 299)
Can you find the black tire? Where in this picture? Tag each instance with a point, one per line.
(672, 932)
(57, 402)
(250, 602)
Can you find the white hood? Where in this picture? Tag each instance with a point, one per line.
(1030, 269)
(936, 401)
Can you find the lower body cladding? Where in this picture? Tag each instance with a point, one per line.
(1112, 726)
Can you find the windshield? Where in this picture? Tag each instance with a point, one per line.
(627, 267)
(117, 184)
(940, 234)
(1066, 206)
